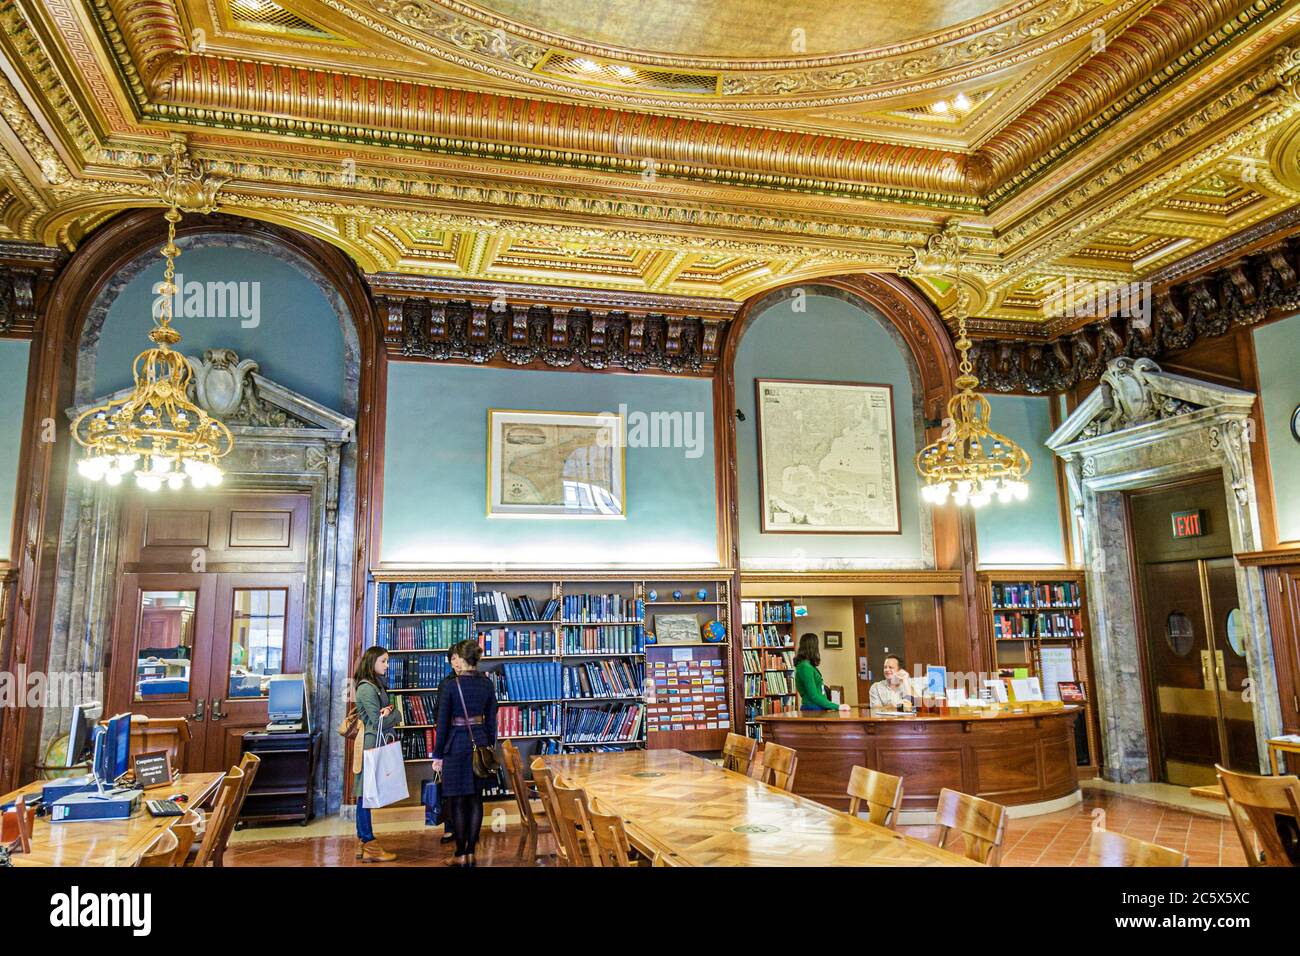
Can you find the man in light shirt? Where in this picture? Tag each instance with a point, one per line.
(894, 690)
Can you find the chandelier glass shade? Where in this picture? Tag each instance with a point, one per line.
(971, 463)
(155, 432)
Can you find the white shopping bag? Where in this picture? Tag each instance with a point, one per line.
(383, 775)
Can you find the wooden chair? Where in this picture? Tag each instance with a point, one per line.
(248, 765)
(16, 827)
(572, 821)
(544, 780)
(779, 765)
(1259, 806)
(530, 826)
(163, 851)
(1115, 849)
(187, 829)
(756, 769)
(211, 845)
(607, 840)
(982, 823)
(738, 753)
(882, 793)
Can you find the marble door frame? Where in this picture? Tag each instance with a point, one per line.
(1139, 429)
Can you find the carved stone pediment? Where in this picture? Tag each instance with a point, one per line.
(251, 405)
(1135, 393)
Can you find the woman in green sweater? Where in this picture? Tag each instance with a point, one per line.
(808, 679)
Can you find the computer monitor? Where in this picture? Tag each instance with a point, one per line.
(118, 745)
(287, 699)
(80, 739)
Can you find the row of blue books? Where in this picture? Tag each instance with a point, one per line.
(421, 634)
(612, 608)
(608, 724)
(604, 639)
(527, 680)
(603, 679)
(426, 597)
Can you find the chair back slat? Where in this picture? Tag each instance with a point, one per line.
(738, 753)
(982, 824)
(211, 845)
(607, 839)
(779, 764)
(1266, 813)
(881, 792)
(571, 823)
(163, 851)
(1115, 849)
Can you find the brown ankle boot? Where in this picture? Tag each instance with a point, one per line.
(372, 852)
(360, 848)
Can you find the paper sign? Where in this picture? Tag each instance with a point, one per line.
(999, 689)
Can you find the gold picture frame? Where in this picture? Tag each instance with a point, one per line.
(576, 468)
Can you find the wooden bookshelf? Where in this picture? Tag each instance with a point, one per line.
(767, 634)
(601, 644)
(1025, 612)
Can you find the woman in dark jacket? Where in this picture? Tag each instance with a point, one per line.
(467, 716)
(377, 716)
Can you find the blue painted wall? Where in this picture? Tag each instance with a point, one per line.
(1277, 346)
(13, 396)
(1024, 533)
(435, 471)
(831, 340)
(297, 340)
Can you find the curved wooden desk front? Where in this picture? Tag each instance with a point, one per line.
(1012, 759)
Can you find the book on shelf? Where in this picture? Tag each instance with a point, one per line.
(593, 680)
(604, 639)
(417, 744)
(417, 671)
(777, 683)
(517, 642)
(420, 708)
(430, 633)
(526, 680)
(763, 635)
(604, 723)
(498, 606)
(426, 597)
(753, 661)
(778, 660)
(603, 608)
(528, 720)
(1027, 596)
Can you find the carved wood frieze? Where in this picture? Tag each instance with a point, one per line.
(1242, 292)
(443, 320)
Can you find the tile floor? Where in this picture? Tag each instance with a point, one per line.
(1055, 839)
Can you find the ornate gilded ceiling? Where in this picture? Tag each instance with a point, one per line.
(709, 149)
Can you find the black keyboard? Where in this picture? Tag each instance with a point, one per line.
(164, 808)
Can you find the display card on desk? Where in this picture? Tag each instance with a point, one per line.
(152, 770)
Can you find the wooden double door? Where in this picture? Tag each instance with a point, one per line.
(210, 607)
(1198, 674)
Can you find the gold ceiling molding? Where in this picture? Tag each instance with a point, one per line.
(174, 84)
(522, 187)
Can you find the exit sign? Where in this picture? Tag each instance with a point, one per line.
(1188, 524)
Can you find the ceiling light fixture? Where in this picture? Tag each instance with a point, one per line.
(970, 462)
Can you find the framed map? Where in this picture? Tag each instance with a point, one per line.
(555, 465)
(826, 459)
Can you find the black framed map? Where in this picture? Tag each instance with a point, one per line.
(826, 457)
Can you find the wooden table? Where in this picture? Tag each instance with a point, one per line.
(694, 813)
(1277, 745)
(107, 842)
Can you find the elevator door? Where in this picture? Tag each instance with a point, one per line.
(1197, 669)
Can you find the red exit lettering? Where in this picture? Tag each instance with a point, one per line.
(1187, 524)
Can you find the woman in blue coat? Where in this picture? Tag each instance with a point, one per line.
(467, 716)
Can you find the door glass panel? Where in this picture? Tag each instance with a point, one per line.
(1178, 632)
(256, 639)
(164, 645)
(1234, 629)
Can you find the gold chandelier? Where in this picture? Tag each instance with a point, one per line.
(970, 462)
(156, 423)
